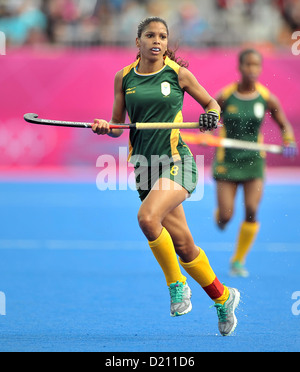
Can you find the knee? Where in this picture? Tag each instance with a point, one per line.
(251, 213)
(148, 220)
(224, 216)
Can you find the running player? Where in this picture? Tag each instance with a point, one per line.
(244, 105)
(151, 90)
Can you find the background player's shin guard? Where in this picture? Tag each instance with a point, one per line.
(247, 235)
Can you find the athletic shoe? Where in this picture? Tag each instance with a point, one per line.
(238, 269)
(226, 315)
(180, 299)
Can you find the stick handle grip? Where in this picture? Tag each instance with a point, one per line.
(188, 125)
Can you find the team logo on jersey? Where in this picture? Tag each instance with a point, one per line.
(232, 109)
(166, 88)
(131, 90)
(259, 110)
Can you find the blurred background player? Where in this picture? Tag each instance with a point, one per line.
(244, 105)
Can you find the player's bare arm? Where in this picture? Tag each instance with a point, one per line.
(190, 84)
(279, 116)
(220, 100)
(118, 114)
(290, 148)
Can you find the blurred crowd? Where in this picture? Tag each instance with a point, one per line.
(194, 23)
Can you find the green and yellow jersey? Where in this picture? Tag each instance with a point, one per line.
(151, 98)
(242, 119)
(155, 97)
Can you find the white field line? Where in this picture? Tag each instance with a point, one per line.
(32, 244)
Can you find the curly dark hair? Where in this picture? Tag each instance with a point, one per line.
(244, 53)
(170, 52)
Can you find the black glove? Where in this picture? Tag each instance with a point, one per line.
(209, 120)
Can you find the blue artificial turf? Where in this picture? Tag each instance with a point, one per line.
(78, 275)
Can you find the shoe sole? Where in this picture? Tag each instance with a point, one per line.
(189, 309)
(235, 305)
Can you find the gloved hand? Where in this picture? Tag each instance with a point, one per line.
(290, 149)
(209, 120)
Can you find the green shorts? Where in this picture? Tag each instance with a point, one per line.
(184, 173)
(239, 171)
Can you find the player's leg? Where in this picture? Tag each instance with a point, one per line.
(253, 191)
(226, 192)
(162, 219)
(192, 258)
(195, 262)
(176, 224)
(164, 197)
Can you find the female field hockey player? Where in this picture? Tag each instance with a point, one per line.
(244, 105)
(151, 90)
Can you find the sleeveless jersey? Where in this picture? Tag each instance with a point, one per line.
(155, 97)
(242, 119)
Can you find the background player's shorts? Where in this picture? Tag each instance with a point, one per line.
(184, 173)
(239, 171)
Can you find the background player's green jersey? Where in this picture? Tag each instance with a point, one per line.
(155, 97)
(242, 119)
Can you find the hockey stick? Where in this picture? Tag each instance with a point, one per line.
(199, 139)
(214, 141)
(34, 119)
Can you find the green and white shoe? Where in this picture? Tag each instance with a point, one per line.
(237, 269)
(180, 299)
(226, 315)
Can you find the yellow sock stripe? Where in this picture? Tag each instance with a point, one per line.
(200, 269)
(164, 252)
(247, 235)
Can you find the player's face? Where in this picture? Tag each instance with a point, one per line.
(153, 42)
(251, 68)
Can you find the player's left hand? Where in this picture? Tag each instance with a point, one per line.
(290, 149)
(209, 121)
